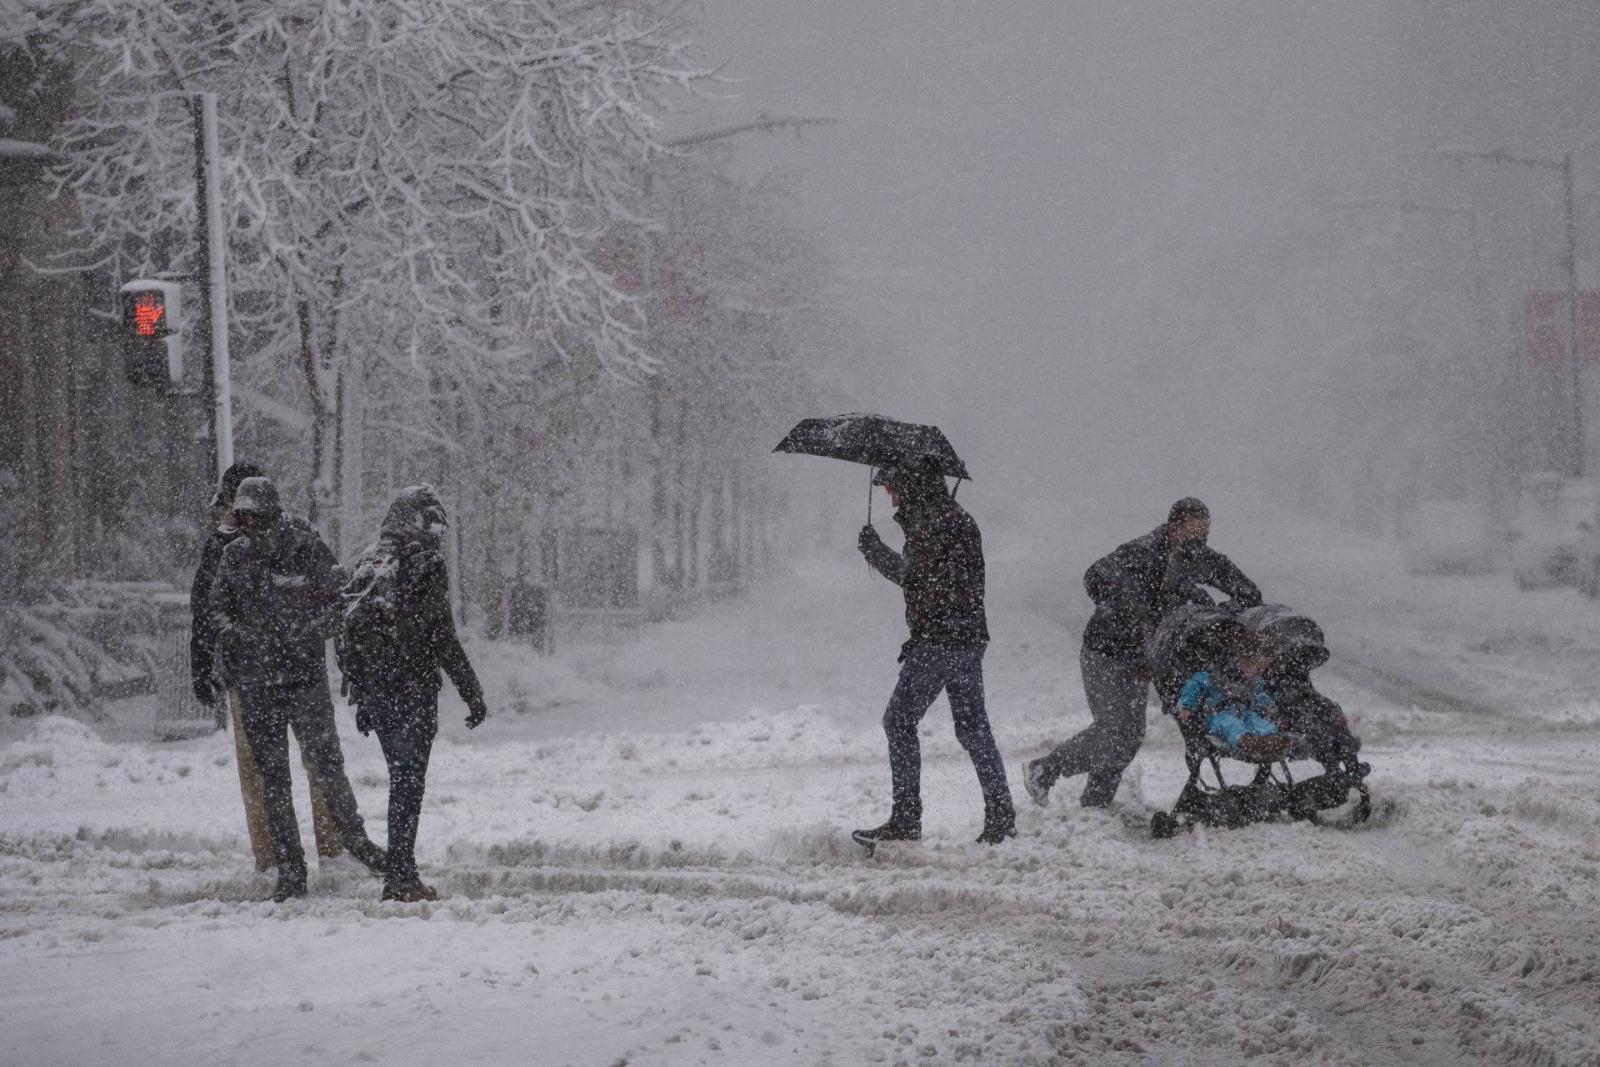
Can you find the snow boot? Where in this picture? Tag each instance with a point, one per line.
(1033, 780)
(902, 826)
(373, 858)
(997, 826)
(408, 890)
(291, 883)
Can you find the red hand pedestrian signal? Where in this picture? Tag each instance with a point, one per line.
(148, 311)
(152, 323)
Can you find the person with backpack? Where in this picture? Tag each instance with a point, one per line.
(397, 634)
(1133, 589)
(274, 604)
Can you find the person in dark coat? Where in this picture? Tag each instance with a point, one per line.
(275, 602)
(1133, 588)
(942, 575)
(398, 634)
(203, 666)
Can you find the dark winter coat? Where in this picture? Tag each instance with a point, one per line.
(426, 640)
(941, 572)
(202, 627)
(1136, 585)
(274, 605)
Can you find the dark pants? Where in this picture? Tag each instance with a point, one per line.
(1117, 691)
(268, 713)
(926, 671)
(406, 726)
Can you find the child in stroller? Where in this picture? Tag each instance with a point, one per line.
(1231, 703)
(1238, 681)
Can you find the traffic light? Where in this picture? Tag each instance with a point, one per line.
(152, 316)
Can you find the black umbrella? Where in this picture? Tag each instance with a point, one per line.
(876, 441)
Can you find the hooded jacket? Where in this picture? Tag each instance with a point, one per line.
(1143, 579)
(409, 541)
(941, 570)
(273, 604)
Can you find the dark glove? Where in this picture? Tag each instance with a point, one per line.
(477, 711)
(867, 539)
(363, 721)
(207, 690)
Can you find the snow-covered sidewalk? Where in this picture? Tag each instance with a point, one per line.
(645, 859)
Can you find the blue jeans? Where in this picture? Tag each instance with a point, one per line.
(925, 672)
(406, 725)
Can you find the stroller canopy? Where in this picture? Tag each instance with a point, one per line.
(1289, 634)
(1193, 637)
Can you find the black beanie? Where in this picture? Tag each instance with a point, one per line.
(231, 479)
(1190, 507)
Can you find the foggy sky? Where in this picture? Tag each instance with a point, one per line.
(1091, 228)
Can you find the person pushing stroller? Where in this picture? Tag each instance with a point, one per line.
(1133, 588)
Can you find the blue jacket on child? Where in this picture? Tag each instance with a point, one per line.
(1230, 707)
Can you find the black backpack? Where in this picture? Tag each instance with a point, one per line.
(369, 641)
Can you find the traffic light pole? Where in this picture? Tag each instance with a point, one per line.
(213, 324)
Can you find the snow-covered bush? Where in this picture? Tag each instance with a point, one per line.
(59, 643)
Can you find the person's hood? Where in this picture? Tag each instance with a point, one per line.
(416, 516)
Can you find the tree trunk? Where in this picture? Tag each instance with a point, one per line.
(695, 493)
(718, 571)
(658, 488)
(736, 508)
(321, 416)
(680, 531)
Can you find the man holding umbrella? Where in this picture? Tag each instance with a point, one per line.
(941, 573)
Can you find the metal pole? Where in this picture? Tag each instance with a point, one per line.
(1574, 369)
(213, 274)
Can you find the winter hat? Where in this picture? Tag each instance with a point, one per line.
(416, 516)
(230, 482)
(257, 495)
(1190, 507)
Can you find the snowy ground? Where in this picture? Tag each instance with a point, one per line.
(645, 860)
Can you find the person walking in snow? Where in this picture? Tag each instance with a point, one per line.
(397, 634)
(941, 572)
(274, 603)
(1132, 589)
(212, 689)
(203, 663)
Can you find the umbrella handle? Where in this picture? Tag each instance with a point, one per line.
(869, 508)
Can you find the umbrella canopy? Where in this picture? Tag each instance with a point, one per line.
(875, 440)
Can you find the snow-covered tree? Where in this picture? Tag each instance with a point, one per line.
(413, 189)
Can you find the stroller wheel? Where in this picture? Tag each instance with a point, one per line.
(1163, 825)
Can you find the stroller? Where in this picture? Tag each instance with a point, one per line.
(1197, 636)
